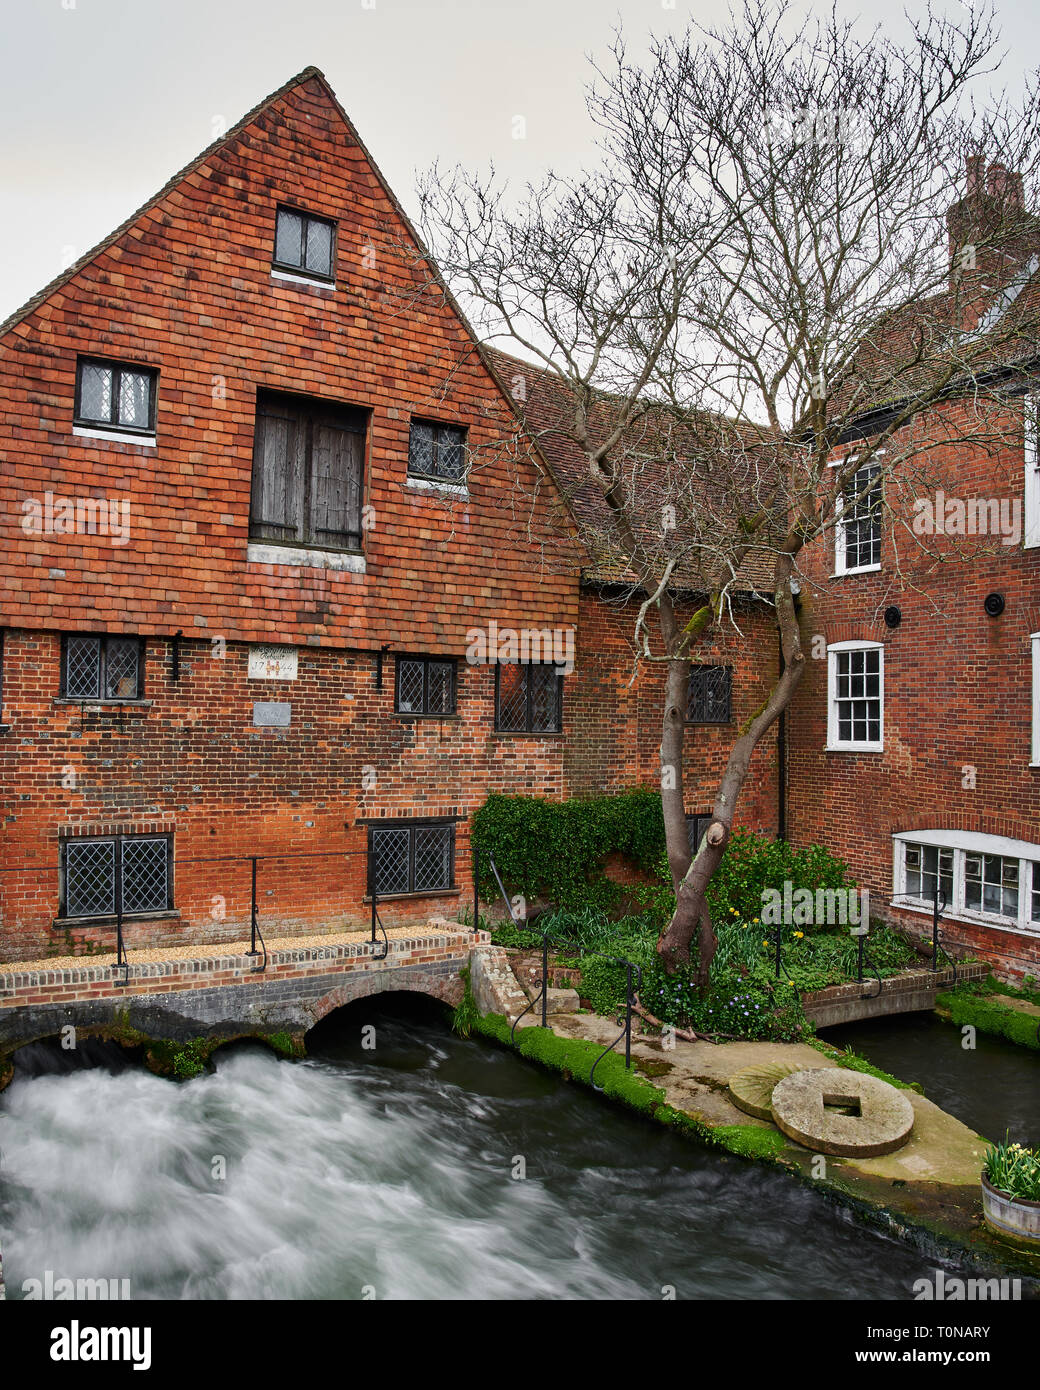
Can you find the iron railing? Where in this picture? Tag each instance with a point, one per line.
(257, 945)
(634, 972)
(937, 946)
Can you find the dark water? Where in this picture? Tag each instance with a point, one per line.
(392, 1171)
(993, 1088)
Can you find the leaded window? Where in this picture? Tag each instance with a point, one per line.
(425, 686)
(411, 858)
(710, 694)
(437, 452)
(528, 699)
(118, 874)
(304, 243)
(696, 825)
(101, 668)
(115, 395)
(308, 458)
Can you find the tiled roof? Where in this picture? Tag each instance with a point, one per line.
(658, 449)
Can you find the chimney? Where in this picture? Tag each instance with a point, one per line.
(1004, 186)
(975, 165)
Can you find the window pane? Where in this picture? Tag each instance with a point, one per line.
(410, 687)
(122, 668)
(83, 668)
(390, 860)
(288, 242)
(857, 695)
(135, 391)
(709, 697)
(544, 685)
(441, 687)
(433, 846)
(319, 247)
(1034, 911)
(420, 449)
(512, 699)
(90, 878)
(95, 393)
(145, 886)
(451, 462)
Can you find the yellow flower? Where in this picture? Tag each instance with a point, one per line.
(799, 934)
(791, 983)
(765, 943)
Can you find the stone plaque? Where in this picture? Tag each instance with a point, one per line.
(272, 663)
(268, 713)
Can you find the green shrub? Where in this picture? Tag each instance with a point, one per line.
(965, 1006)
(556, 850)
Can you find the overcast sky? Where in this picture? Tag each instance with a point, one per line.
(102, 100)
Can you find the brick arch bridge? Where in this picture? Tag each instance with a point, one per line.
(222, 997)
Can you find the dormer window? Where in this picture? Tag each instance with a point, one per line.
(304, 244)
(115, 396)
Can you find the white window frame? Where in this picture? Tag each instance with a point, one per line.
(1031, 481)
(833, 744)
(963, 843)
(1034, 643)
(840, 567)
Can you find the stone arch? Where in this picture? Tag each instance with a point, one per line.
(437, 984)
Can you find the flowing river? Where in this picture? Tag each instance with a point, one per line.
(393, 1172)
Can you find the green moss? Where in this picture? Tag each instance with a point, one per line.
(750, 1141)
(964, 1006)
(285, 1044)
(855, 1063)
(181, 1060)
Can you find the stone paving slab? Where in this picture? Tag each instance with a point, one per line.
(931, 1182)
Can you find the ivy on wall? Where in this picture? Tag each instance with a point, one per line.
(557, 850)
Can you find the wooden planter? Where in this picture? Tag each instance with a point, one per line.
(1013, 1218)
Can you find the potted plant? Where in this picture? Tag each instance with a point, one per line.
(1011, 1192)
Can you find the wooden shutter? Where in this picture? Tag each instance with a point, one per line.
(279, 451)
(337, 452)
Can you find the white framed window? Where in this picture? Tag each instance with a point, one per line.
(856, 696)
(857, 519)
(1034, 642)
(1031, 486)
(983, 878)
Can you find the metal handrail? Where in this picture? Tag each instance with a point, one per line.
(861, 937)
(937, 912)
(630, 999)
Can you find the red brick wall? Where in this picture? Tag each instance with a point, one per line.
(192, 762)
(615, 726)
(188, 289)
(957, 694)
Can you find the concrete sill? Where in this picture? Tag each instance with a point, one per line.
(169, 915)
(436, 718)
(407, 897)
(854, 748)
(503, 733)
(865, 569)
(105, 706)
(969, 919)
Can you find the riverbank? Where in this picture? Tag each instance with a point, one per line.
(928, 1192)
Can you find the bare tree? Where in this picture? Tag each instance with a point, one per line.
(775, 255)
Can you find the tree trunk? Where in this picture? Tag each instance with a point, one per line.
(692, 915)
(673, 801)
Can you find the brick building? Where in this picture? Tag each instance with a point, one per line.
(241, 555)
(260, 489)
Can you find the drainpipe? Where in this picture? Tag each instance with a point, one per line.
(781, 759)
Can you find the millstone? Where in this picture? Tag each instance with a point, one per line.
(751, 1089)
(836, 1111)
